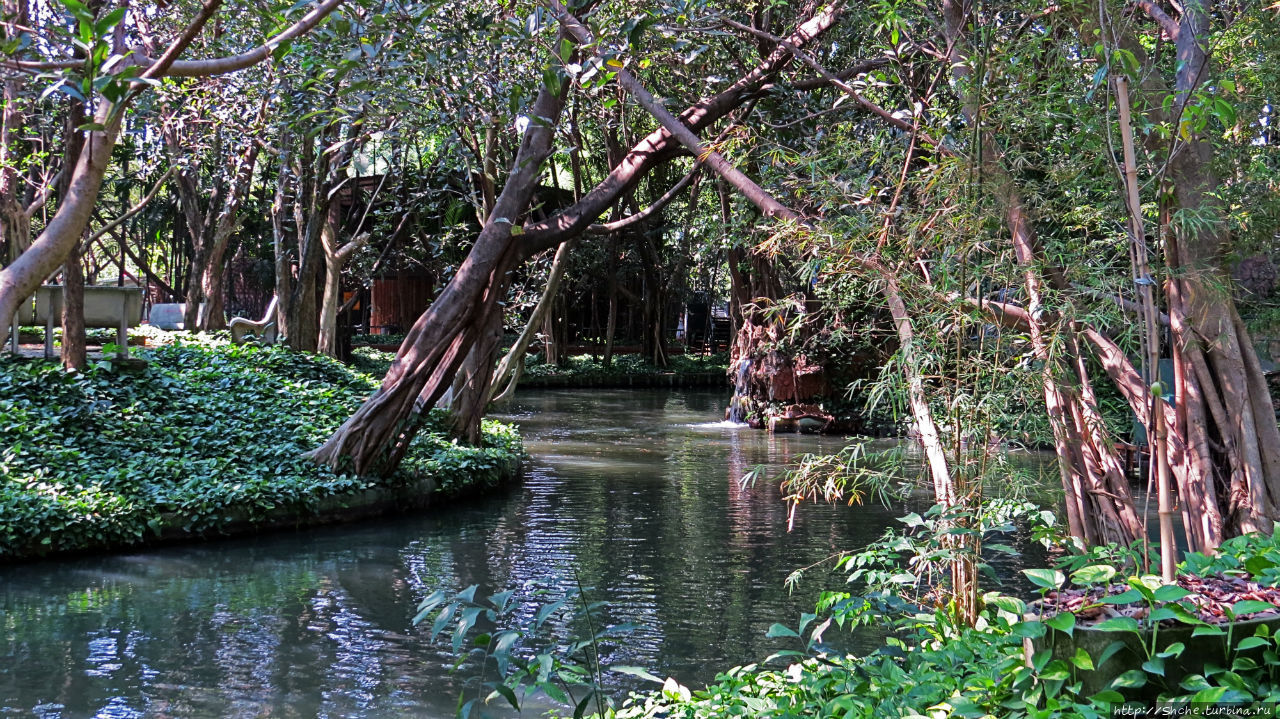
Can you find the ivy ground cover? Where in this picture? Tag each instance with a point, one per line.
(206, 436)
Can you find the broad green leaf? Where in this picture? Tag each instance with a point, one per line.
(1093, 574)
(781, 630)
(1064, 622)
(1132, 679)
(1082, 660)
(1170, 593)
(1045, 578)
(1118, 624)
(1253, 606)
(1129, 596)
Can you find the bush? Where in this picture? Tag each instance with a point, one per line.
(209, 433)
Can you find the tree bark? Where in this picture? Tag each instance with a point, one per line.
(1099, 506)
(507, 376)
(376, 437)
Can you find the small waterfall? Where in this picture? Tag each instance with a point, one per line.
(739, 404)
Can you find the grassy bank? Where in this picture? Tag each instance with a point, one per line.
(208, 437)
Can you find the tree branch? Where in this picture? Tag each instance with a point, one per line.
(135, 209)
(681, 132)
(827, 75)
(167, 65)
(43, 196)
(218, 66)
(618, 225)
(188, 35)
(1157, 13)
(659, 145)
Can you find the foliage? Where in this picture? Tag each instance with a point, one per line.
(931, 667)
(589, 367)
(207, 435)
(528, 661)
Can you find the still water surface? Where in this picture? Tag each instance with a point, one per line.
(636, 489)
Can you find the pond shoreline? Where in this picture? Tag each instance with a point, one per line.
(373, 502)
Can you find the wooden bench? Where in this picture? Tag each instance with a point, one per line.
(110, 307)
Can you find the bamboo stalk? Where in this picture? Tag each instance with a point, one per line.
(1157, 433)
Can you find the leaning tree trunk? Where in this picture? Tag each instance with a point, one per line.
(507, 376)
(378, 434)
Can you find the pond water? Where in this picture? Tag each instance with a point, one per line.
(636, 490)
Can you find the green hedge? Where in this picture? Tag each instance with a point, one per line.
(208, 435)
(587, 367)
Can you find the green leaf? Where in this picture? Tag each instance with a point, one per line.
(1132, 679)
(1093, 574)
(1154, 665)
(1210, 696)
(1064, 622)
(1129, 596)
(1082, 660)
(1170, 593)
(1173, 650)
(1109, 696)
(506, 693)
(1253, 606)
(780, 630)
(1110, 651)
(1258, 564)
(1045, 578)
(1119, 624)
(1251, 643)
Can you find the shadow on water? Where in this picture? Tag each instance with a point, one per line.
(637, 489)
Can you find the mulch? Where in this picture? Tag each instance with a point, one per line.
(1209, 597)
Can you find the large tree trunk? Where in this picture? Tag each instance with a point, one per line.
(73, 335)
(213, 315)
(378, 434)
(1207, 328)
(280, 243)
(335, 258)
(1096, 494)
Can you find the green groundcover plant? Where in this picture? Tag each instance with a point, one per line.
(207, 434)
(587, 366)
(928, 668)
(931, 668)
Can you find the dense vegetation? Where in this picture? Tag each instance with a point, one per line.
(207, 435)
(979, 222)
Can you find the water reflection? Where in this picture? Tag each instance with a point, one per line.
(633, 488)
